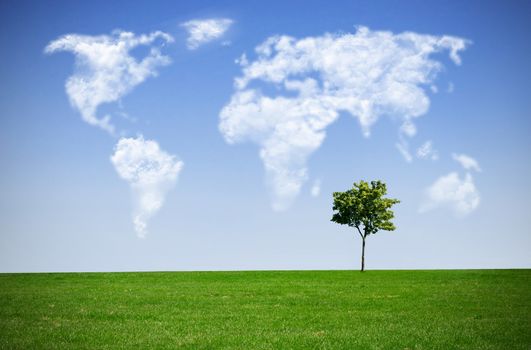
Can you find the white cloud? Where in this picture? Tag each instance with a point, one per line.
(242, 60)
(403, 148)
(467, 162)
(426, 151)
(316, 188)
(451, 191)
(366, 74)
(203, 31)
(105, 71)
(151, 173)
(450, 88)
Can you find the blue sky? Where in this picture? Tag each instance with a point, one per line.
(215, 181)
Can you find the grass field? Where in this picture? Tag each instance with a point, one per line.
(474, 309)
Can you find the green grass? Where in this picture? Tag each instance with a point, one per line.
(473, 309)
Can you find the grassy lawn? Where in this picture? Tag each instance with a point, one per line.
(471, 309)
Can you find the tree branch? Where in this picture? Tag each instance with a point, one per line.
(359, 231)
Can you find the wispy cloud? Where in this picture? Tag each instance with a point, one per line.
(105, 71)
(459, 194)
(467, 162)
(316, 188)
(403, 148)
(426, 151)
(450, 88)
(150, 172)
(201, 31)
(450, 190)
(366, 74)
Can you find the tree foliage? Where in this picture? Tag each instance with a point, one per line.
(364, 207)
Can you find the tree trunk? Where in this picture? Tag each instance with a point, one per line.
(363, 255)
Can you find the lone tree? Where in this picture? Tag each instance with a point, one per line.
(364, 208)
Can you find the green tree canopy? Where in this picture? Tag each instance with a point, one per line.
(365, 208)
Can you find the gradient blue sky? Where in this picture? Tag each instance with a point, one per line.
(64, 208)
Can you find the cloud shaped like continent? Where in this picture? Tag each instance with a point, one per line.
(459, 194)
(202, 31)
(366, 74)
(150, 172)
(105, 71)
